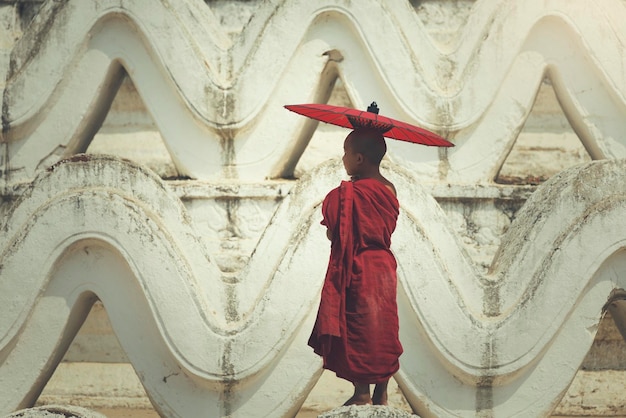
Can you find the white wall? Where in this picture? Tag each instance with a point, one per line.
(205, 247)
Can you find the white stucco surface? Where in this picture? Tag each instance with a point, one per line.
(201, 235)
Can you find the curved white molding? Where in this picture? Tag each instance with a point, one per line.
(107, 228)
(223, 101)
(135, 238)
(540, 304)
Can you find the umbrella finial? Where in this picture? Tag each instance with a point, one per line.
(373, 108)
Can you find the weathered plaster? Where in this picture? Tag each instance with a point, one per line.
(210, 272)
(478, 94)
(130, 231)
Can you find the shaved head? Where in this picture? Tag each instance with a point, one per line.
(368, 142)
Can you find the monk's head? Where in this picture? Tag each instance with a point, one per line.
(364, 149)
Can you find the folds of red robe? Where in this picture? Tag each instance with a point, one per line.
(356, 330)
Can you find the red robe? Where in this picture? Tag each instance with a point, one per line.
(356, 331)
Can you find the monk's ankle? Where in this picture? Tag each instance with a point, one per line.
(379, 398)
(359, 400)
(380, 394)
(361, 395)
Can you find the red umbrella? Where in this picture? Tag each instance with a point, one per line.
(353, 118)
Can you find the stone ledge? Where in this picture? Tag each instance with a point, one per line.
(95, 385)
(271, 189)
(110, 385)
(55, 411)
(594, 394)
(366, 411)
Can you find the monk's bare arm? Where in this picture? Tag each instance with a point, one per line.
(329, 235)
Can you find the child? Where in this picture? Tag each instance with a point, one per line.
(356, 331)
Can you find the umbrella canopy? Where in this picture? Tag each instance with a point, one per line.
(354, 118)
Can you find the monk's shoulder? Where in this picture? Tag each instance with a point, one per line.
(389, 185)
(378, 186)
(333, 193)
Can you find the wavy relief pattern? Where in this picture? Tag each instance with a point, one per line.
(115, 231)
(223, 99)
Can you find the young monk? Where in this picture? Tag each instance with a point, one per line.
(356, 331)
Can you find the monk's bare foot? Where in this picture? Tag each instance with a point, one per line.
(380, 394)
(358, 400)
(361, 395)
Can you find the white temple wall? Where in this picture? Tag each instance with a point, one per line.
(519, 108)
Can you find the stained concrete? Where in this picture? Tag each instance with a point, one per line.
(366, 411)
(56, 411)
